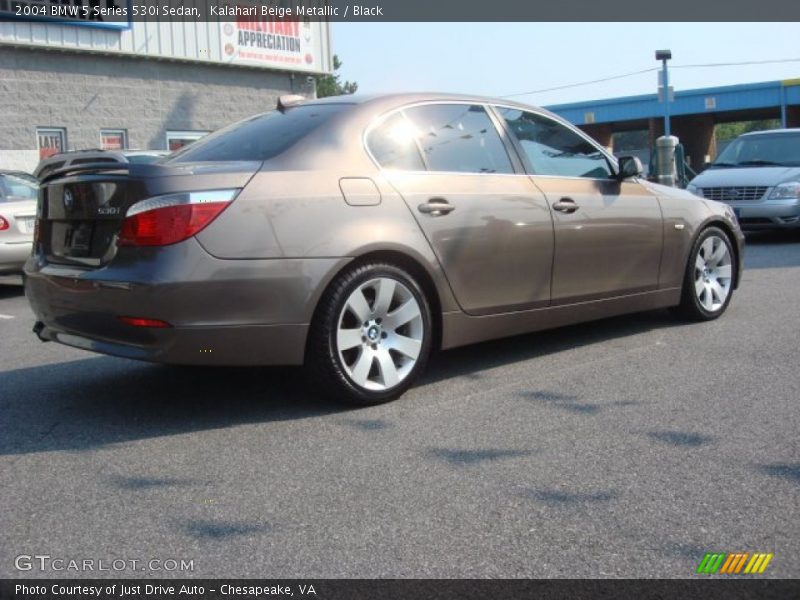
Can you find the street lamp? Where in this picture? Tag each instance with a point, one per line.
(664, 56)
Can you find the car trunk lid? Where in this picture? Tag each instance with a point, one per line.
(82, 208)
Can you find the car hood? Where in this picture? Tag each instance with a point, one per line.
(665, 191)
(746, 176)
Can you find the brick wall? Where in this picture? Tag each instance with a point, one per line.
(85, 92)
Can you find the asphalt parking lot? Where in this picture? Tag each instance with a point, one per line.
(623, 448)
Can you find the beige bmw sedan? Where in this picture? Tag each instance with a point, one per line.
(359, 234)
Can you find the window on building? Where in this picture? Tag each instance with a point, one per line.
(113, 139)
(50, 140)
(178, 139)
(553, 149)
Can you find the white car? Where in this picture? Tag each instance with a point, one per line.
(758, 175)
(18, 194)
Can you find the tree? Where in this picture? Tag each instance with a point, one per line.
(330, 85)
(728, 131)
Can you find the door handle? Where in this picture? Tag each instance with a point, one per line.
(566, 205)
(436, 207)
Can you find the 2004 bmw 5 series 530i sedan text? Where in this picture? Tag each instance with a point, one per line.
(357, 235)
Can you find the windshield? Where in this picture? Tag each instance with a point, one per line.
(782, 149)
(258, 138)
(17, 187)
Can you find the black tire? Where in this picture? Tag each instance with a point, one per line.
(327, 370)
(691, 307)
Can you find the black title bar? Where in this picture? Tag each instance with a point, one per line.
(126, 11)
(394, 589)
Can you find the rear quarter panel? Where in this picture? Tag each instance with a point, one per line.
(303, 214)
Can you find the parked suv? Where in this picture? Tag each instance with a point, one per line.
(758, 175)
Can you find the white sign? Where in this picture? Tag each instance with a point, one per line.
(273, 42)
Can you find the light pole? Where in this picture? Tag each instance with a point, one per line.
(664, 56)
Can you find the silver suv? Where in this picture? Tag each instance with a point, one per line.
(758, 175)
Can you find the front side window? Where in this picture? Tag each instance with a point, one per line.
(553, 149)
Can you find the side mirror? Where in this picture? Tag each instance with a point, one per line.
(629, 166)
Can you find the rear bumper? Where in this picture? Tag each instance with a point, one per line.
(13, 255)
(246, 345)
(221, 312)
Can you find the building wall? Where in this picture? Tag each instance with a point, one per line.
(87, 92)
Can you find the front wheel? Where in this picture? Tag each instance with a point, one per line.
(709, 277)
(371, 336)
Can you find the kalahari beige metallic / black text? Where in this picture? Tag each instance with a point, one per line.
(359, 234)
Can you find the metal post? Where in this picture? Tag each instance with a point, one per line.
(664, 56)
(666, 97)
(783, 106)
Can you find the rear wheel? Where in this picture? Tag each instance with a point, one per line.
(371, 336)
(709, 277)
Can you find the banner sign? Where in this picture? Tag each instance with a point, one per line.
(271, 41)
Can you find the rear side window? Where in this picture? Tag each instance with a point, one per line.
(440, 137)
(459, 138)
(261, 137)
(553, 149)
(394, 144)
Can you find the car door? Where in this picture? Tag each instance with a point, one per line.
(488, 225)
(608, 233)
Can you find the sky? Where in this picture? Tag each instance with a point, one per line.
(499, 59)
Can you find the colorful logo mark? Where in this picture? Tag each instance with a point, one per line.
(734, 563)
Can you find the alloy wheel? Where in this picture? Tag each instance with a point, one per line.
(713, 273)
(379, 334)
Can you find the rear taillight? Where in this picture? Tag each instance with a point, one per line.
(3, 224)
(173, 218)
(144, 322)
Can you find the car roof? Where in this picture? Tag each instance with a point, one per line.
(411, 97)
(772, 131)
(379, 103)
